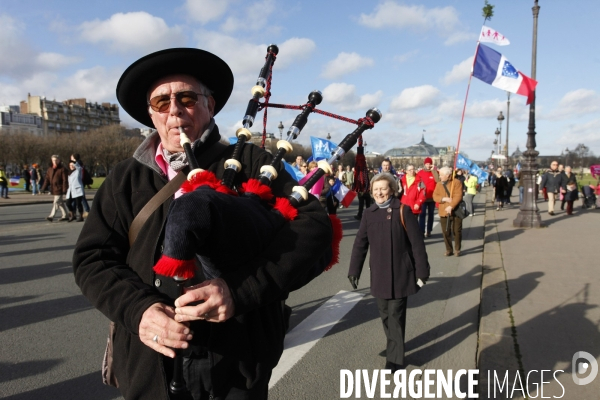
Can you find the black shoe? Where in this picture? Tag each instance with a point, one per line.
(551, 213)
(49, 219)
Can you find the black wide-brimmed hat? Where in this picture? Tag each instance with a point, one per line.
(209, 69)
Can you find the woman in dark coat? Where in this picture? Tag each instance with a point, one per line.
(398, 261)
(572, 193)
(501, 186)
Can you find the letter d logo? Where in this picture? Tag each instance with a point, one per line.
(583, 367)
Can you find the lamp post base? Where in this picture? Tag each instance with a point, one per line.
(529, 215)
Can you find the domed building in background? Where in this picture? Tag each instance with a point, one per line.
(416, 154)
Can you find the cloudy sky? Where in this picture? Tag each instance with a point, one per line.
(411, 59)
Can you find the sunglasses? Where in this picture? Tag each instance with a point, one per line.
(162, 103)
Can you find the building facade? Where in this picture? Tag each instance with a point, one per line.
(416, 154)
(74, 115)
(13, 121)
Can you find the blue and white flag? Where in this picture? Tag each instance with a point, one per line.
(479, 173)
(463, 162)
(293, 171)
(321, 148)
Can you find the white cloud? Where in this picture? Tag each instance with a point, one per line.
(137, 32)
(457, 37)
(587, 133)
(444, 21)
(577, 102)
(345, 63)
(344, 96)
(416, 97)
(402, 58)
(254, 18)
(246, 59)
(205, 11)
(459, 72)
(487, 109)
(55, 61)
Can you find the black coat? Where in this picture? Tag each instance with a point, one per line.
(553, 181)
(570, 195)
(398, 256)
(501, 186)
(119, 281)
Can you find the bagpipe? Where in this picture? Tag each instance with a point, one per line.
(212, 211)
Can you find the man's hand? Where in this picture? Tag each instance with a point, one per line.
(416, 207)
(353, 281)
(216, 302)
(158, 321)
(446, 199)
(448, 210)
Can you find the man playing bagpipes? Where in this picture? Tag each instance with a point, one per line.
(229, 328)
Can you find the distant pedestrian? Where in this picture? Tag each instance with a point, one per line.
(35, 178)
(552, 181)
(27, 178)
(56, 181)
(332, 202)
(571, 192)
(448, 194)
(398, 262)
(414, 190)
(75, 191)
(471, 185)
(349, 177)
(430, 177)
(510, 180)
(500, 190)
(3, 183)
(86, 179)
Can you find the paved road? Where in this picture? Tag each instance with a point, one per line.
(52, 340)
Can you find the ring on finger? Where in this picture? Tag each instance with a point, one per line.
(155, 339)
(206, 316)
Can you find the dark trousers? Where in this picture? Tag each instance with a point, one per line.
(75, 203)
(364, 201)
(197, 375)
(427, 207)
(569, 206)
(449, 227)
(393, 317)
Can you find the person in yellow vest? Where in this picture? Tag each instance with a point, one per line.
(471, 185)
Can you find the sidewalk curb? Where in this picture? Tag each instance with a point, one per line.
(495, 311)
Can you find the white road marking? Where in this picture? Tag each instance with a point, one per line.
(307, 333)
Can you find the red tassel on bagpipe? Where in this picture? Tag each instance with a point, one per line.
(254, 186)
(338, 233)
(206, 178)
(288, 211)
(361, 174)
(171, 267)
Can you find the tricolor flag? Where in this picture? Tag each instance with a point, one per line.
(14, 181)
(490, 35)
(494, 69)
(342, 193)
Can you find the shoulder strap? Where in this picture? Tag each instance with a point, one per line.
(402, 215)
(445, 188)
(166, 192)
(169, 190)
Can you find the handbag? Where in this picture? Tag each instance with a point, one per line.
(460, 211)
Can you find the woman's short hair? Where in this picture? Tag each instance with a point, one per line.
(312, 164)
(385, 177)
(446, 171)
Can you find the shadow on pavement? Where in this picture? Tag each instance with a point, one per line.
(545, 332)
(458, 329)
(33, 272)
(10, 371)
(17, 316)
(41, 250)
(15, 239)
(88, 387)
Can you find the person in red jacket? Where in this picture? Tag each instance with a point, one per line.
(430, 177)
(414, 190)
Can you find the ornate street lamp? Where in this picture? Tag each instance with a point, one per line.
(529, 215)
(506, 162)
(497, 143)
(280, 127)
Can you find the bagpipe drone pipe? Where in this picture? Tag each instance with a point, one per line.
(212, 212)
